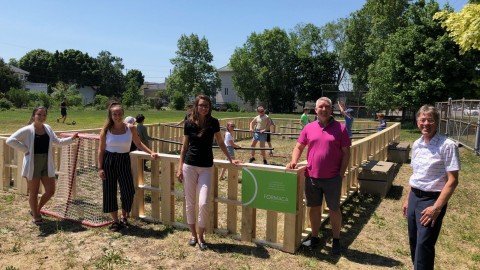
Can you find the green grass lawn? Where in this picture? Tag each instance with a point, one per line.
(89, 119)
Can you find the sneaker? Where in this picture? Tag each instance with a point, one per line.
(336, 248)
(251, 160)
(265, 162)
(313, 242)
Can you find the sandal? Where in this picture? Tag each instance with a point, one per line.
(193, 241)
(202, 245)
(37, 221)
(124, 222)
(115, 227)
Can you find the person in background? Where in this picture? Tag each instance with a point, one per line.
(131, 121)
(114, 164)
(348, 116)
(143, 134)
(229, 142)
(304, 119)
(270, 129)
(435, 163)
(196, 164)
(189, 111)
(258, 126)
(382, 123)
(36, 140)
(327, 160)
(63, 110)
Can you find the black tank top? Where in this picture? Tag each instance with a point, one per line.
(40, 146)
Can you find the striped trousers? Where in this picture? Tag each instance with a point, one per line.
(117, 169)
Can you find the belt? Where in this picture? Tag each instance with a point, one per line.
(425, 194)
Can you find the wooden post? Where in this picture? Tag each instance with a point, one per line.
(167, 199)
(138, 207)
(232, 194)
(249, 220)
(155, 183)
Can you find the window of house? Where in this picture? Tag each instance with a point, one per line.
(226, 91)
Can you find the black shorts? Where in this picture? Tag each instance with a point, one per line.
(63, 112)
(315, 188)
(268, 136)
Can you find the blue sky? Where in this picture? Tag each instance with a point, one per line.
(144, 33)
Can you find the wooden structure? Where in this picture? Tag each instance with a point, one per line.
(162, 200)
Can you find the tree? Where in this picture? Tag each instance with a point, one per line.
(75, 67)
(420, 64)
(112, 81)
(463, 26)
(264, 69)
(193, 73)
(13, 62)
(366, 33)
(7, 78)
(38, 63)
(132, 93)
(136, 75)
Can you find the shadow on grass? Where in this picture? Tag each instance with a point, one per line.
(356, 213)
(138, 231)
(49, 227)
(258, 251)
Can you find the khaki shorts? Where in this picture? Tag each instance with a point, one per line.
(40, 165)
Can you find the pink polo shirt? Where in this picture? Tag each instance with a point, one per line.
(324, 154)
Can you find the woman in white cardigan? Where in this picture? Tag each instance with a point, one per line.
(36, 140)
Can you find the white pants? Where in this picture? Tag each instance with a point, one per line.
(196, 179)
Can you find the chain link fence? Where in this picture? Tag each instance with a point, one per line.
(460, 120)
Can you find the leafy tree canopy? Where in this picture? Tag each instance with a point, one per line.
(463, 26)
(7, 78)
(38, 63)
(112, 79)
(136, 75)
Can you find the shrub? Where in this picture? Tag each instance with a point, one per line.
(5, 104)
(19, 97)
(40, 99)
(178, 101)
(101, 102)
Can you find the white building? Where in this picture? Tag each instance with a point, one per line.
(227, 92)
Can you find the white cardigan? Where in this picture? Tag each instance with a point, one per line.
(23, 141)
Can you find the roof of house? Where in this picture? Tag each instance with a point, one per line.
(18, 70)
(225, 68)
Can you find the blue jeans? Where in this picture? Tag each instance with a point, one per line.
(422, 238)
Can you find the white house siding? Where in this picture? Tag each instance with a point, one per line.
(227, 92)
(88, 94)
(36, 87)
(151, 88)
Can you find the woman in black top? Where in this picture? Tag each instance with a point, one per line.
(196, 163)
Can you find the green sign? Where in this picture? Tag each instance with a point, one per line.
(269, 190)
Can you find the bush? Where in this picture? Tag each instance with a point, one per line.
(178, 101)
(232, 107)
(19, 97)
(40, 99)
(101, 102)
(5, 104)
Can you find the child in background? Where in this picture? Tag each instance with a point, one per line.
(270, 129)
(258, 126)
(130, 120)
(143, 134)
(382, 121)
(304, 119)
(229, 142)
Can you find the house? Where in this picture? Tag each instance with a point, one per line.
(88, 94)
(21, 74)
(150, 89)
(227, 92)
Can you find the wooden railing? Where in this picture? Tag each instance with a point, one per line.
(162, 200)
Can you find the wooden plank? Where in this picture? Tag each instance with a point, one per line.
(5, 181)
(138, 207)
(155, 183)
(271, 226)
(232, 204)
(22, 187)
(167, 199)
(249, 216)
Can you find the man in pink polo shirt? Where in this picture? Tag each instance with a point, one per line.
(327, 156)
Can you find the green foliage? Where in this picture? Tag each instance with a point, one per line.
(232, 107)
(193, 73)
(19, 97)
(10, 267)
(70, 91)
(7, 78)
(463, 26)
(420, 64)
(132, 95)
(38, 63)
(112, 81)
(5, 104)
(75, 67)
(40, 99)
(136, 75)
(178, 101)
(101, 102)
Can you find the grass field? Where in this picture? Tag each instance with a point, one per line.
(374, 232)
(89, 119)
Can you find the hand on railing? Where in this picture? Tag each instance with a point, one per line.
(291, 165)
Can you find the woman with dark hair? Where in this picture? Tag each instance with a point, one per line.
(36, 141)
(114, 164)
(435, 164)
(196, 163)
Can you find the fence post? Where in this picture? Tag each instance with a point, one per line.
(477, 142)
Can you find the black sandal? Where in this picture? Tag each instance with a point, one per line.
(192, 242)
(124, 222)
(115, 227)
